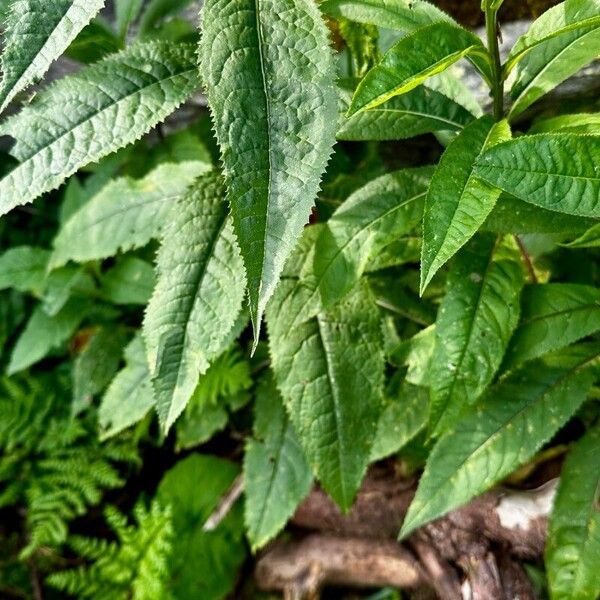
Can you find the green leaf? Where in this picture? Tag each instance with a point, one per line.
(474, 325)
(127, 12)
(555, 60)
(198, 297)
(554, 315)
(508, 426)
(579, 123)
(64, 283)
(130, 281)
(23, 268)
(376, 214)
(589, 239)
(555, 171)
(96, 365)
(157, 10)
(412, 60)
(458, 202)
(422, 110)
(95, 42)
(403, 417)
(43, 333)
(573, 547)
(269, 76)
(402, 15)
(36, 33)
(329, 370)
(277, 475)
(85, 117)
(204, 563)
(558, 20)
(126, 214)
(129, 397)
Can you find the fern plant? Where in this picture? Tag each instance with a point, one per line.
(424, 259)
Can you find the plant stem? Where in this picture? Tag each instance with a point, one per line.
(491, 28)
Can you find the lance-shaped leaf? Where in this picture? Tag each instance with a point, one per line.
(371, 218)
(402, 15)
(329, 370)
(412, 60)
(573, 547)
(560, 19)
(554, 315)
(555, 171)
(508, 426)
(198, 296)
(277, 475)
(473, 328)
(36, 33)
(84, 117)
(589, 239)
(269, 76)
(23, 268)
(458, 202)
(578, 123)
(126, 214)
(552, 62)
(422, 110)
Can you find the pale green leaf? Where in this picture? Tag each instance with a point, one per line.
(458, 202)
(422, 110)
(412, 60)
(507, 427)
(43, 333)
(552, 62)
(130, 281)
(23, 268)
(376, 214)
(36, 33)
(277, 475)
(403, 417)
(198, 297)
(87, 116)
(126, 214)
(589, 239)
(578, 123)
(64, 283)
(329, 370)
(558, 171)
(554, 315)
(269, 76)
(129, 397)
(573, 547)
(474, 326)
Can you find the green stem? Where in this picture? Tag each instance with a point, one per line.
(491, 27)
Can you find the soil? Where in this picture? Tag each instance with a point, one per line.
(469, 12)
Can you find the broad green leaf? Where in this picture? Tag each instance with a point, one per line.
(474, 325)
(589, 239)
(422, 110)
(197, 299)
(130, 281)
(573, 547)
(43, 333)
(554, 315)
(204, 564)
(95, 42)
(96, 365)
(129, 397)
(412, 60)
(555, 171)
(552, 62)
(36, 33)
(64, 283)
(87, 116)
(579, 123)
(126, 214)
(402, 15)
(567, 16)
(403, 417)
(277, 475)
(511, 215)
(329, 370)
(376, 214)
(23, 268)
(458, 202)
(507, 427)
(269, 76)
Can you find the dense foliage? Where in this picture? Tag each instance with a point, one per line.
(344, 258)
